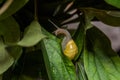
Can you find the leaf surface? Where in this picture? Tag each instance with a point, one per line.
(115, 3)
(6, 60)
(58, 66)
(100, 61)
(10, 31)
(32, 35)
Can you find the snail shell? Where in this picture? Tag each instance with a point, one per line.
(69, 47)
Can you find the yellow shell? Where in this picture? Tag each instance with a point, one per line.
(71, 49)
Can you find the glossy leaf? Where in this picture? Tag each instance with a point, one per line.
(6, 60)
(32, 35)
(115, 3)
(100, 61)
(15, 6)
(57, 65)
(9, 29)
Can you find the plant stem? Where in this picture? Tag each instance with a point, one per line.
(5, 6)
(35, 10)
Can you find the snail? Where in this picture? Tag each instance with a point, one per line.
(69, 47)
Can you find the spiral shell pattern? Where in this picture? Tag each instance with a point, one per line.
(71, 49)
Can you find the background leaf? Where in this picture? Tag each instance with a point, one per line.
(108, 18)
(115, 3)
(114, 13)
(1, 1)
(6, 60)
(79, 38)
(100, 61)
(10, 31)
(15, 6)
(32, 35)
(0, 77)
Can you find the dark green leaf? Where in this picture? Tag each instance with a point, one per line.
(100, 61)
(24, 77)
(115, 3)
(108, 18)
(0, 77)
(15, 6)
(80, 71)
(1, 1)
(57, 65)
(15, 52)
(6, 60)
(32, 35)
(79, 38)
(114, 13)
(9, 29)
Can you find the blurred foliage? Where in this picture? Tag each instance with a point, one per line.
(30, 51)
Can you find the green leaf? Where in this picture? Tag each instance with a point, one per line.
(100, 61)
(0, 77)
(10, 31)
(115, 3)
(114, 13)
(58, 66)
(79, 39)
(32, 35)
(81, 71)
(1, 1)
(15, 52)
(108, 17)
(15, 6)
(6, 60)
(24, 77)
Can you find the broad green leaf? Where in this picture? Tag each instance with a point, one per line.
(6, 60)
(79, 38)
(57, 65)
(85, 23)
(15, 6)
(81, 71)
(9, 29)
(32, 35)
(115, 3)
(108, 18)
(100, 61)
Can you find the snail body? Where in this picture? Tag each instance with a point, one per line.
(69, 47)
